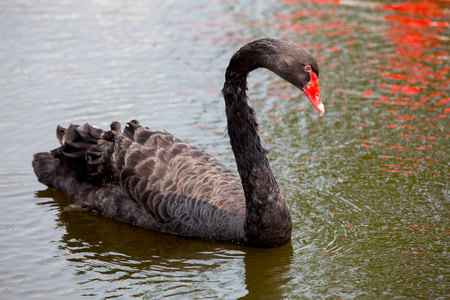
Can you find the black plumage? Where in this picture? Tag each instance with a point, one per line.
(154, 180)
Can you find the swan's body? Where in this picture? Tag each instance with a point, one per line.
(154, 180)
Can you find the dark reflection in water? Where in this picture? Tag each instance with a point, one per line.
(126, 257)
(266, 272)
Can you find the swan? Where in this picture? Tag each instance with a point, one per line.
(154, 180)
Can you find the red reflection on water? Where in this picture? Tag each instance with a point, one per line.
(417, 70)
(411, 89)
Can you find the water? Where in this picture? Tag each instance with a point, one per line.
(367, 184)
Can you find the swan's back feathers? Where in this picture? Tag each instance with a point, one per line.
(151, 160)
(145, 177)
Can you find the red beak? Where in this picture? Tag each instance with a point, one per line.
(312, 92)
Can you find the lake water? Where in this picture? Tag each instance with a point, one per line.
(367, 184)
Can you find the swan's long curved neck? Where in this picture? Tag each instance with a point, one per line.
(268, 221)
(245, 142)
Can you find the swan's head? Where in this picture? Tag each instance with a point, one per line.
(288, 60)
(298, 66)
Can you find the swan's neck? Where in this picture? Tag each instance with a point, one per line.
(245, 142)
(268, 222)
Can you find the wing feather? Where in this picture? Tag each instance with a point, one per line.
(147, 178)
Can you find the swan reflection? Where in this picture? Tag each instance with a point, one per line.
(135, 262)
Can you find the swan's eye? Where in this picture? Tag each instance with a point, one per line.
(308, 68)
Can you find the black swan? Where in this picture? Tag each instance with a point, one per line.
(154, 180)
